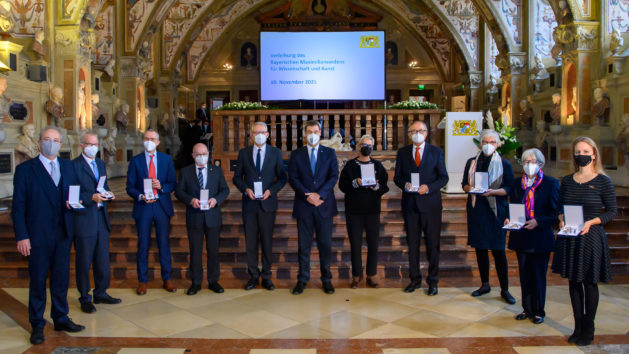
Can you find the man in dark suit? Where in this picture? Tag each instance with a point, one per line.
(421, 208)
(313, 171)
(192, 179)
(44, 228)
(91, 226)
(202, 113)
(259, 163)
(148, 212)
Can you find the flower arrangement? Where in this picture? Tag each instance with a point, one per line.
(242, 105)
(413, 105)
(509, 142)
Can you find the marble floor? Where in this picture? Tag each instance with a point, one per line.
(383, 320)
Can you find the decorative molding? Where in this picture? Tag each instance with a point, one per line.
(475, 79)
(104, 49)
(543, 23)
(510, 13)
(464, 17)
(517, 63)
(180, 18)
(30, 17)
(62, 40)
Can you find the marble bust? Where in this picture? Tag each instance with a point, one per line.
(555, 112)
(600, 107)
(27, 147)
(122, 119)
(54, 107)
(526, 115)
(38, 46)
(5, 102)
(109, 146)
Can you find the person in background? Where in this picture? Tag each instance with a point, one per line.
(202, 114)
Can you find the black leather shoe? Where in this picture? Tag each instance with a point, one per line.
(484, 289)
(412, 286)
(507, 297)
(69, 326)
(88, 307)
(252, 283)
(106, 300)
(538, 319)
(216, 287)
(299, 288)
(37, 336)
(432, 290)
(522, 316)
(328, 288)
(193, 289)
(268, 284)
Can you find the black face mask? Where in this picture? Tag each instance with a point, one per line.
(582, 160)
(366, 150)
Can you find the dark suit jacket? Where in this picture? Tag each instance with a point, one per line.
(86, 220)
(136, 174)
(37, 204)
(188, 188)
(301, 179)
(202, 115)
(272, 176)
(432, 172)
(542, 238)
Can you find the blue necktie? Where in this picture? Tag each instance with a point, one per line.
(313, 160)
(258, 161)
(200, 176)
(95, 169)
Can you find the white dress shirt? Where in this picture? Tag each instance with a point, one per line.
(421, 150)
(89, 163)
(316, 151)
(262, 153)
(46, 162)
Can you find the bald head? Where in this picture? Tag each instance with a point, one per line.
(200, 154)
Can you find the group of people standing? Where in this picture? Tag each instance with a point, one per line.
(46, 234)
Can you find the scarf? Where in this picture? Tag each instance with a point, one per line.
(495, 177)
(529, 194)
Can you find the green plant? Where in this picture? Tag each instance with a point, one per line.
(413, 105)
(509, 142)
(242, 105)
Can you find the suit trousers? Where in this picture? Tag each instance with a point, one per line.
(259, 230)
(50, 258)
(153, 214)
(93, 252)
(428, 223)
(195, 240)
(306, 228)
(533, 268)
(370, 223)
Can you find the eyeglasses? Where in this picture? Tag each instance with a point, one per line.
(151, 139)
(524, 162)
(368, 145)
(421, 131)
(493, 142)
(49, 139)
(88, 144)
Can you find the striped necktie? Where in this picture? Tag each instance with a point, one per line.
(200, 176)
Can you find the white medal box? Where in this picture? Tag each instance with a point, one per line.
(573, 217)
(368, 175)
(101, 188)
(204, 196)
(258, 193)
(73, 197)
(517, 217)
(414, 182)
(481, 183)
(148, 189)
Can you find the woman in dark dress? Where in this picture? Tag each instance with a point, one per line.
(486, 212)
(585, 259)
(534, 242)
(362, 210)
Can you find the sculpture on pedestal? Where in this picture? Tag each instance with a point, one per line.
(80, 97)
(27, 147)
(505, 112)
(622, 138)
(38, 46)
(109, 68)
(54, 107)
(122, 118)
(97, 116)
(616, 42)
(555, 112)
(539, 70)
(542, 134)
(526, 114)
(600, 108)
(5, 102)
(573, 102)
(109, 146)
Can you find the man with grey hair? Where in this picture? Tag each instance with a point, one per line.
(92, 227)
(259, 165)
(44, 229)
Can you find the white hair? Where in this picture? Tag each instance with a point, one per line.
(86, 133)
(366, 137)
(489, 132)
(533, 152)
(51, 127)
(260, 123)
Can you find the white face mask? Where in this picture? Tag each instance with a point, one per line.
(90, 151)
(201, 160)
(313, 139)
(418, 138)
(260, 139)
(531, 169)
(149, 146)
(488, 149)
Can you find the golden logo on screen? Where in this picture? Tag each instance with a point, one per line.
(464, 128)
(369, 42)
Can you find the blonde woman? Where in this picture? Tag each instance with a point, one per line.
(585, 260)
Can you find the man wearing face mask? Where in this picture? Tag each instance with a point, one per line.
(200, 223)
(259, 163)
(148, 212)
(92, 228)
(44, 229)
(313, 171)
(421, 208)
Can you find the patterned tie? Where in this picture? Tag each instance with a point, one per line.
(200, 176)
(418, 157)
(258, 167)
(152, 172)
(54, 173)
(313, 160)
(95, 169)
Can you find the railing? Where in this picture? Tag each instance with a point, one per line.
(388, 127)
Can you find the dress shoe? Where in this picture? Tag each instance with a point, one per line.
(268, 284)
(299, 288)
(193, 289)
(578, 324)
(169, 286)
(37, 336)
(141, 290)
(587, 333)
(355, 282)
(522, 316)
(484, 289)
(216, 287)
(412, 286)
(328, 288)
(538, 319)
(88, 307)
(507, 297)
(432, 290)
(372, 282)
(106, 300)
(69, 326)
(252, 283)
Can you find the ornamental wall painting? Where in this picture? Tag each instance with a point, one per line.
(138, 13)
(29, 16)
(618, 16)
(545, 22)
(180, 18)
(105, 36)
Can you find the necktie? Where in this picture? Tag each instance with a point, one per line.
(313, 160)
(54, 173)
(258, 167)
(418, 157)
(200, 176)
(152, 172)
(95, 169)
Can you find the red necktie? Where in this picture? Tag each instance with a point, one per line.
(418, 157)
(152, 173)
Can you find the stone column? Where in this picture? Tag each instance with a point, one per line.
(476, 90)
(131, 90)
(519, 83)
